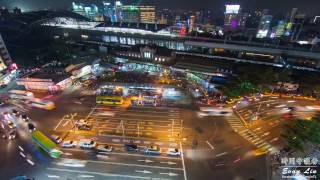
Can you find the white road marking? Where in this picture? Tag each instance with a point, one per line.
(85, 176)
(144, 171)
(169, 163)
(98, 173)
(127, 164)
(183, 165)
(30, 162)
(257, 129)
(115, 140)
(67, 122)
(222, 154)
(266, 134)
(67, 154)
(20, 148)
(23, 155)
(145, 160)
(209, 144)
(170, 174)
(58, 124)
(274, 139)
(53, 176)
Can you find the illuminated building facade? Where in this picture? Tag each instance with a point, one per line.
(138, 14)
(4, 55)
(231, 18)
(130, 14)
(90, 11)
(147, 14)
(264, 26)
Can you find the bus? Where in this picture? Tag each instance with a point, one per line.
(42, 104)
(46, 144)
(19, 94)
(110, 100)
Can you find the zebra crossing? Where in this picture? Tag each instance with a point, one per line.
(249, 135)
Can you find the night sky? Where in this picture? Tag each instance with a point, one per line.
(276, 6)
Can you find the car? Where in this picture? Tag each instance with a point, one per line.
(173, 152)
(104, 148)
(81, 122)
(6, 114)
(131, 147)
(87, 143)
(152, 150)
(25, 118)
(3, 86)
(31, 127)
(84, 127)
(11, 125)
(15, 112)
(56, 138)
(69, 144)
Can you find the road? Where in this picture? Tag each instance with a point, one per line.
(271, 113)
(221, 151)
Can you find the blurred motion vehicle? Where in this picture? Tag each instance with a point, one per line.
(104, 148)
(204, 112)
(31, 127)
(8, 129)
(131, 147)
(87, 143)
(152, 150)
(46, 144)
(56, 138)
(15, 112)
(173, 152)
(19, 94)
(42, 104)
(69, 144)
(25, 118)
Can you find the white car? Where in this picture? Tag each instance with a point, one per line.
(104, 148)
(173, 152)
(69, 144)
(87, 143)
(152, 150)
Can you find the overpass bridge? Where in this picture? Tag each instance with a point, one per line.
(301, 57)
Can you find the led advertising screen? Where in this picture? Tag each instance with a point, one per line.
(232, 9)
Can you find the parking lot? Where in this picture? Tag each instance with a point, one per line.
(116, 126)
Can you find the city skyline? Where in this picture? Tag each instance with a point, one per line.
(216, 6)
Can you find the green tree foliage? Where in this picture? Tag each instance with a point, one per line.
(298, 132)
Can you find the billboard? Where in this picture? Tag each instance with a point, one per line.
(232, 9)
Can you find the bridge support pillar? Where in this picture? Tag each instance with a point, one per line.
(318, 64)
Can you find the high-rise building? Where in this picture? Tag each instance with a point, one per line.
(138, 14)
(147, 14)
(89, 11)
(231, 18)
(264, 26)
(5, 58)
(130, 14)
(191, 23)
(280, 28)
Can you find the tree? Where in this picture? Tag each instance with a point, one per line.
(299, 132)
